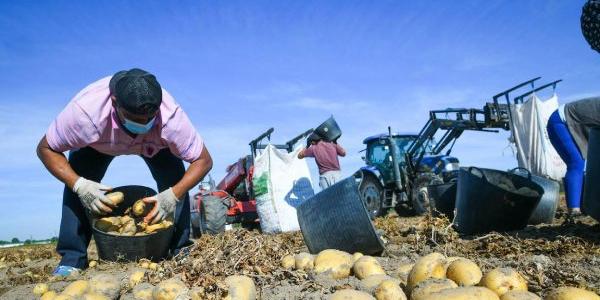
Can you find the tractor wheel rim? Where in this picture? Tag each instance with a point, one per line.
(371, 196)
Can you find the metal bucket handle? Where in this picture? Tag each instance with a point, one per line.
(514, 171)
(480, 171)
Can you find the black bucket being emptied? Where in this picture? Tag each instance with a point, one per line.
(336, 218)
(329, 130)
(112, 247)
(591, 188)
(491, 200)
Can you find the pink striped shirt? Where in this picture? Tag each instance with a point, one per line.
(90, 119)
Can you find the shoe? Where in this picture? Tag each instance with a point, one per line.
(574, 212)
(65, 271)
(573, 215)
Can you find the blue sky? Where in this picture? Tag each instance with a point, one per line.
(240, 67)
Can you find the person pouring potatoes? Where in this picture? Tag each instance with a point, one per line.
(124, 114)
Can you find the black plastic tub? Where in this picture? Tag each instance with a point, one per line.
(491, 200)
(545, 211)
(336, 218)
(591, 188)
(132, 248)
(329, 130)
(442, 199)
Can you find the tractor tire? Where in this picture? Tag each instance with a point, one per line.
(196, 225)
(213, 215)
(371, 193)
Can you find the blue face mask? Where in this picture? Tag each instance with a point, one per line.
(137, 128)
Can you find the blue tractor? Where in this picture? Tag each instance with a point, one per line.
(388, 180)
(400, 167)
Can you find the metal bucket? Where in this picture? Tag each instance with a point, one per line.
(329, 130)
(336, 218)
(591, 188)
(545, 211)
(442, 199)
(132, 248)
(491, 200)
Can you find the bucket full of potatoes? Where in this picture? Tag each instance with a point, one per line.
(123, 235)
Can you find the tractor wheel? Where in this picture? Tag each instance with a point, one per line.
(196, 225)
(371, 192)
(420, 199)
(213, 215)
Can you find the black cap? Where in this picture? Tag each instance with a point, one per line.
(590, 23)
(136, 91)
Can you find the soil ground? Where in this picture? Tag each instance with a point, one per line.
(548, 256)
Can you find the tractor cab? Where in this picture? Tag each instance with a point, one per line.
(379, 155)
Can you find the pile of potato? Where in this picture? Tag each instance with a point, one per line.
(108, 287)
(99, 287)
(130, 224)
(431, 277)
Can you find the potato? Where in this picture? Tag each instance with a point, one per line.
(94, 296)
(169, 290)
(64, 297)
(356, 256)
(129, 229)
(240, 288)
(140, 209)
(336, 264)
(568, 293)
(76, 288)
(430, 286)
(143, 291)
(144, 263)
(39, 289)
(370, 283)
(92, 264)
(304, 261)
(287, 262)
(105, 284)
(153, 266)
(350, 295)
(158, 226)
(464, 272)
(49, 295)
(428, 266)
(116, 197)
(108, 224)
(450, 260)
(367, 266)
(389, 290)
(519, 295)
(403, 271)
(464, 293)
(197, 293)
(502, 280)
(135, 278)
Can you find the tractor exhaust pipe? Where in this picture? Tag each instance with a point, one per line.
(394, 155)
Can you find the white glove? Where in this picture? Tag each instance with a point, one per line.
(92, 196)
(164, 206)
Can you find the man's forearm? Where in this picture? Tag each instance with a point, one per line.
(56, 163)
(194, 174)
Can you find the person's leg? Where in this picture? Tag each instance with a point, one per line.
(335, 177)
(323, 182)
(563, 142)
(75, 231)
(167, 170)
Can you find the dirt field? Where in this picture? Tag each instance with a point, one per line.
(548, 256)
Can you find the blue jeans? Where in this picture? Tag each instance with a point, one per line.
(563, 142)
(75, 230)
